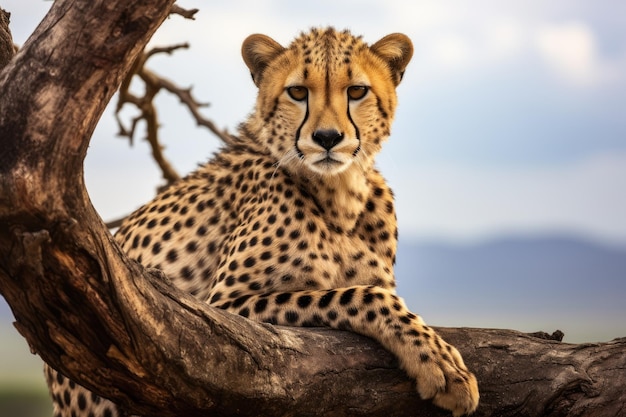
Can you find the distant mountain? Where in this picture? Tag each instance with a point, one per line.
(526, 283)
(538, 283)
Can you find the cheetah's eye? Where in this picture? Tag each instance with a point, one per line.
(298, 92)
(357, 92)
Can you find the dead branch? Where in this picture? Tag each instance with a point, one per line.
(154, 83)
(187, 14)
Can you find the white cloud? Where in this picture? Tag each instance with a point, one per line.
(570, 50)
(451, 51)
(505, 37)
(423, 16)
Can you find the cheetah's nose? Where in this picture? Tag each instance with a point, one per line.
(327, 138)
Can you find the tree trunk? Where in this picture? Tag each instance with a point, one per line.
(127, 334)
(7, 49)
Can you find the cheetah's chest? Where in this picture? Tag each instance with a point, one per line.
(283, 240)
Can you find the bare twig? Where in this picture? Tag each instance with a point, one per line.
(148, 112)
(187, 14)
(190, 102)
(164, 50)
(115, 223)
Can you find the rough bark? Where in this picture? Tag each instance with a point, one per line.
(7, 49)
(127, 334)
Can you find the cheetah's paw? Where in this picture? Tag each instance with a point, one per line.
(448, 383)
(460, 394)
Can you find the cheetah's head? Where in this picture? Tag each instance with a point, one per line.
(328, 100)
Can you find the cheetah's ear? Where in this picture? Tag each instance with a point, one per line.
(396, 49)
(258, 51)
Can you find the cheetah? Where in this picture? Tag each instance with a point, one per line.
(290, 223)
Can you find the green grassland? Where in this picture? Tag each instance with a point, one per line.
(24, 402)
(23, 391)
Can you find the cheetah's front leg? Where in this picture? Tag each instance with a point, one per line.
(437, 367)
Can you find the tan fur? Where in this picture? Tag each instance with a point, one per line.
(291, 223)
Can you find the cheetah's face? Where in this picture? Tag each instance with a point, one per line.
(327, 101)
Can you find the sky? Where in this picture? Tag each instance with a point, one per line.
(511, 117)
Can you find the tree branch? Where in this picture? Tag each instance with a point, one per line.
(7, 48)
(127, 334)
(154, 83)
(186, 13)
(148, 112)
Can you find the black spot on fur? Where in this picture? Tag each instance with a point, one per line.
(304, 301)
(260, 305)
(282, 298)
(326, 299)
(292, 317)
(346, 297)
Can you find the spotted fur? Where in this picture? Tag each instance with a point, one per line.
(291, 223)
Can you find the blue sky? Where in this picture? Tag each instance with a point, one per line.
(512, 115)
